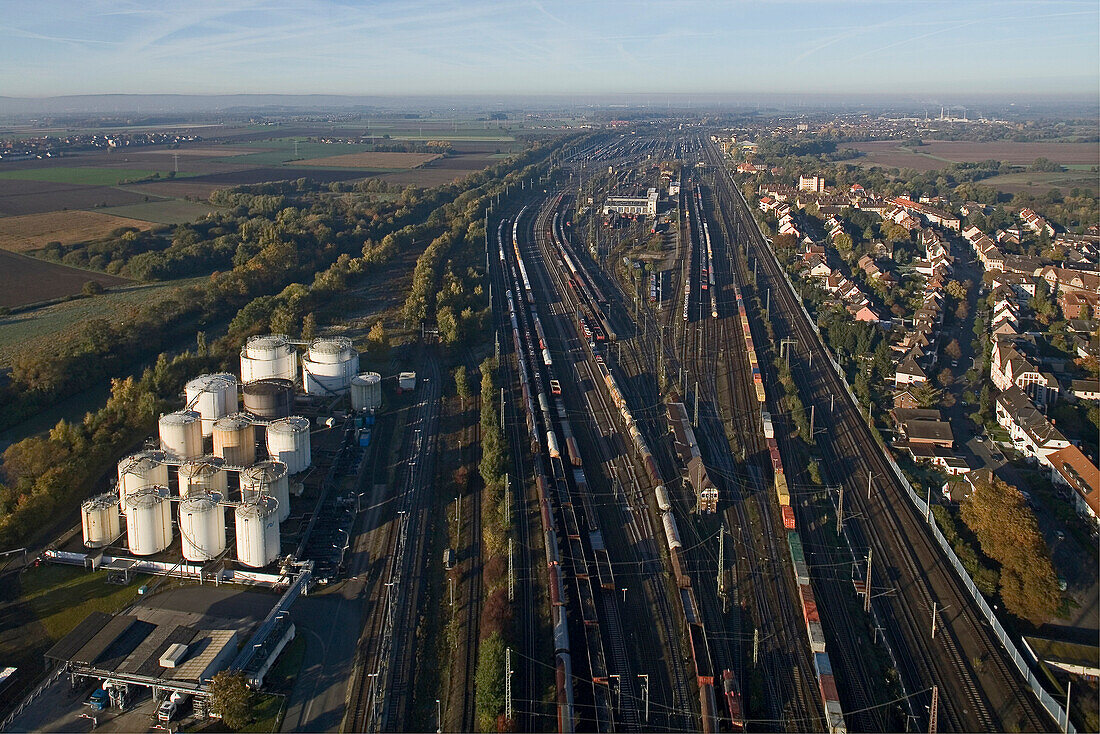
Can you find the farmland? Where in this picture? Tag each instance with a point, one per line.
(371, 160)
(26, 280)
(166, 211)
(936, 154)
(39, 330)
(33, 231)
(35, 197)
(80, 176)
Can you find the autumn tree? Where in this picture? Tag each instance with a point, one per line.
(953, 350)
(1008, 532)
(231, 698)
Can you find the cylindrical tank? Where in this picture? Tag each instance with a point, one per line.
(235, 440)
(269, 398)
(269, 478)
(100, 521)
(268, 356)
(257, 527)
(139, 470)
(203, 476)
(288, 442)
(181, 434)
(148, 521)
(366, 391)
(213, 396)
(202, 527)
(329, 365)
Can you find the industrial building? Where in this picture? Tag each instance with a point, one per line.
(644, 205)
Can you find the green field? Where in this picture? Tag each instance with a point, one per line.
(282, 151)
(39, 330)
(170, 211)
(1034, 182)
(82, 176)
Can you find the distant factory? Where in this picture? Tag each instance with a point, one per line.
(643, 205)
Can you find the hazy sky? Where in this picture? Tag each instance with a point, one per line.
(481, 46)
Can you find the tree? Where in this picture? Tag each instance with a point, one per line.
(309, 326)
(231, 698)
(945, 378)
(953, 350)
(1008, 532)
(462, 383)
(958, 289)
(92, 288)
(377, 340)
(843, 244)
(926, 394)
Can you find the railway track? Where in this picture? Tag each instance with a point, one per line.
(472, 582)
(994, 698)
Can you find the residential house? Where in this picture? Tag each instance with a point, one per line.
(1078, 304)
(1035, 223)
(811, 183)
(1071, 468)
(908, 372)
(1010, 367)
(1031, 433)
(1085, 389)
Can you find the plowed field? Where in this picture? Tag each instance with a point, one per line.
(34, 231)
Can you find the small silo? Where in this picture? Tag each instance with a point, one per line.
(212, 396)
(288, 442)
(269, 399)
(268, 356)
(329, 365)
(257, 527)
(181, 434)
(143, 469)
(269, 478)
(235, 440)
(100, 521)
(202, 527)
(366, 391)
(148, 521)
(203, 476)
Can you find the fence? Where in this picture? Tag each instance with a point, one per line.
(1054, 708)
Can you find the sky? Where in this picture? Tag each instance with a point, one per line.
(411, 47)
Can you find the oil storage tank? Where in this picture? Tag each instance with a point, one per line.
(181, 434)
(270, 398)
(140, 470)
(148, 521)
(235, 440)
(213, 396)
(202, 527)
(100, 521)
(329, 365)
(288, 442)
(268, 356)
(257, 529)
(268, 478)
(366, 391)
(205, 475)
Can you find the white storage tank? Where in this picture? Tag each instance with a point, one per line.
(268, 478)
(366, 391)
(202, 527)
(329, 365)
(235, 440)
(268, 356)
(203, 476)
(148, 521)
(406, 382)
(143, 469)
(213, 396)
(100, 521)
(181, 434)
(288, 442)
(257, 527)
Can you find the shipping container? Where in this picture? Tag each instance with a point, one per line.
(788, 517)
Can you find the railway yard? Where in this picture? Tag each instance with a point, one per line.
(673, 564)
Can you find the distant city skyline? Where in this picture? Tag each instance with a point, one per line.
(486, 47)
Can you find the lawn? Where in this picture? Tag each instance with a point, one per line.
(81, 176)
(60, 597)
(171, 211)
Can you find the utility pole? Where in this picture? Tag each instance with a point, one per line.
(508, 683)
(928, 506)
(840, 513)
(1069, 690)
(502, 410)
(696, 421)
(813, 408)
(933, 620)
(645, 693)
(511, 574)
(869, 477)
(755, 646)
(933, 711)
(721, 561)
(768, 306)
(867, 592)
